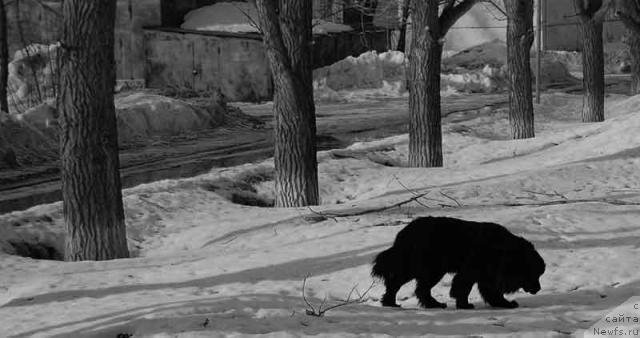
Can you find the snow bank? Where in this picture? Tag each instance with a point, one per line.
(369, 74)
(617, 58)
(480, 69)
(241, 17)
(483, 68)
(31, 76)
(325, 27)
(492, 54)
(32, 136)
(141, 115)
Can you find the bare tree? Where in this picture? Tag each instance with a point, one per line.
(592, 14)
(519, 40)
(629, 12)
(4, 60)
(286, 28)
(91, 189)
(430, 24)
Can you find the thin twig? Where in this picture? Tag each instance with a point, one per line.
(360, 299)
(410, 190)
(320, 312)
(372, 210)
(451, 198)
(304, 282)
(322, 214)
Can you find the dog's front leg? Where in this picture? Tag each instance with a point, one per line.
(495, 298)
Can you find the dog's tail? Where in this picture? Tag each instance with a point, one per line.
(385, 263)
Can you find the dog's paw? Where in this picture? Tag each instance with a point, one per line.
(390, 304)
(433, 305)
(465, 306)
(506, 304)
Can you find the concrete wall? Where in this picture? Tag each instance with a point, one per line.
(132, 16)
(235, 63)
(41, 22)
(562, 30)
(201, 61)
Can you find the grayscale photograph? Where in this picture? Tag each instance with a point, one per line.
(319, 168)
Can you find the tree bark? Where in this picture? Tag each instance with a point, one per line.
(593, 70)
(629, 13)
(91, 188)
(286, 28)
(519, 41)
(425, 130)
(634, 49)
(4, 59)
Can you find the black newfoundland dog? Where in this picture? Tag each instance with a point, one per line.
(484, 253)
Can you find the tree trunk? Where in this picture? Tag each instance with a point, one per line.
(519, 41)
(4, 59)
(402, 38)
(593, 70)
(91, 189)
(286, 28)
(634, 49)
(425, 135)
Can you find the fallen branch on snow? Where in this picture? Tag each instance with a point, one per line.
(320, 311)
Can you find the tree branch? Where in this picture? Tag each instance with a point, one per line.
(372, 210)
(451, 14)
(592, 9)
(320, 312)
(629, 22)
(601, 13)
(496, 6)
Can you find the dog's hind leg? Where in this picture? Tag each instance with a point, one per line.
(392, 285)
(423, 290)
(460, 289)
(494, 297)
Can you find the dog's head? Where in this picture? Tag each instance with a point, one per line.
(533, 267)
(519, 267)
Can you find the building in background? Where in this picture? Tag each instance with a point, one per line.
(484, 23)
(151, 48)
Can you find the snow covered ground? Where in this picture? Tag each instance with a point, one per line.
(208, 267)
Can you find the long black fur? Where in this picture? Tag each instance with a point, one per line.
(484, 253)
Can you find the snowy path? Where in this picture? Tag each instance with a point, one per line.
(338, 126)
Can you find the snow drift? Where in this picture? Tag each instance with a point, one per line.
(241, 17)
(142, 117)
(480, 69)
